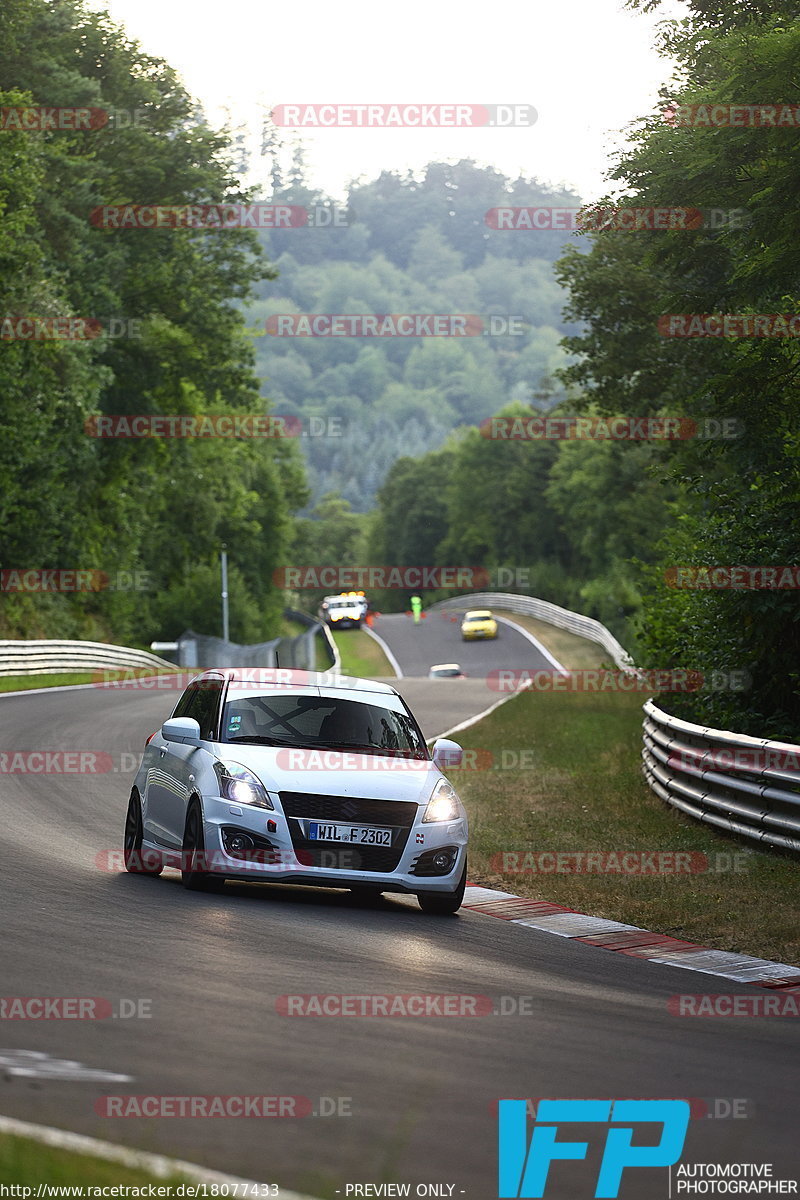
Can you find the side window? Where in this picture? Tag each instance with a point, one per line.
(184, 706)
(201, 701)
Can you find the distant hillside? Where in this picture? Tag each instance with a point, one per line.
(412, 245)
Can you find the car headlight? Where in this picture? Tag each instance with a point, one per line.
(444, 804)
(241, 786)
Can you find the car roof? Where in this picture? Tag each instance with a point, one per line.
(290, 679)
(478, 612)
(445, 667)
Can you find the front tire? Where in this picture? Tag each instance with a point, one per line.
(444, 904)
(137, 861)
(193, 876)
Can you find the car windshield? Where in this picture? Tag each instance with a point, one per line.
(479, 617)
(327, 722)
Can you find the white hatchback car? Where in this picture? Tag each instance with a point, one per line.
(322, 781)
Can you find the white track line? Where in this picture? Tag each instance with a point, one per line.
(393, 663)
(535, 642)
(156, 1164)
(478, 716)
(58, 687)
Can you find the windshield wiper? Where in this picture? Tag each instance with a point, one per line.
(369, 748)
(259, 739)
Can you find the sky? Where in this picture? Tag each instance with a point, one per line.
(588, 67)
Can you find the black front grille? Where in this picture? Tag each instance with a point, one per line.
(355, 810)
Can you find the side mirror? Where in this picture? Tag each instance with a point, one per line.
(446, 753)
(181, 729)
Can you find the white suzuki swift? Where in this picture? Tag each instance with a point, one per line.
(295, 777)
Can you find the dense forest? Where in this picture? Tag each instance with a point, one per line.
(150, 510)
(411, 245)
(606, 526)
(405, 472)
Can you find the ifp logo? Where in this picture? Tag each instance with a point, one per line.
(524, 1169)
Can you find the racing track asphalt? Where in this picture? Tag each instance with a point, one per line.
(437, 639)
(421, 1089)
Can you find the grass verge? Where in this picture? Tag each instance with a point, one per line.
(361, 655)
(28, 1162)
(584, 791)
(23, 683)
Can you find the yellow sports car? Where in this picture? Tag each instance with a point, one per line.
(478, 623)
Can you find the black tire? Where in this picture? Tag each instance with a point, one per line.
(137, 862)
(444, 904)
(194, 849)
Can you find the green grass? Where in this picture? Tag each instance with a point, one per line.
(361, 655)
(19, 683)
(24, 1161)
(585, 792)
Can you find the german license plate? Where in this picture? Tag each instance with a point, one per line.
(355, 835)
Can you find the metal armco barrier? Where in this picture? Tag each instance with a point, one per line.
(551, 614)
(300, 652)
(53, 657)
(743, 785)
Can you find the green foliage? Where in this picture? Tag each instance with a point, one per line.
(419, 245)
(159, 507)
(737, 501)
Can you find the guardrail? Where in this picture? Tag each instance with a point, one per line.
(54, 657)
(551, 614)
(743, 785)
(316, 628)
(300, 652)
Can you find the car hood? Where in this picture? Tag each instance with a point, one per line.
(335, 773)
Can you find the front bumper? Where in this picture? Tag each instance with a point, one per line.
(292, 859)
